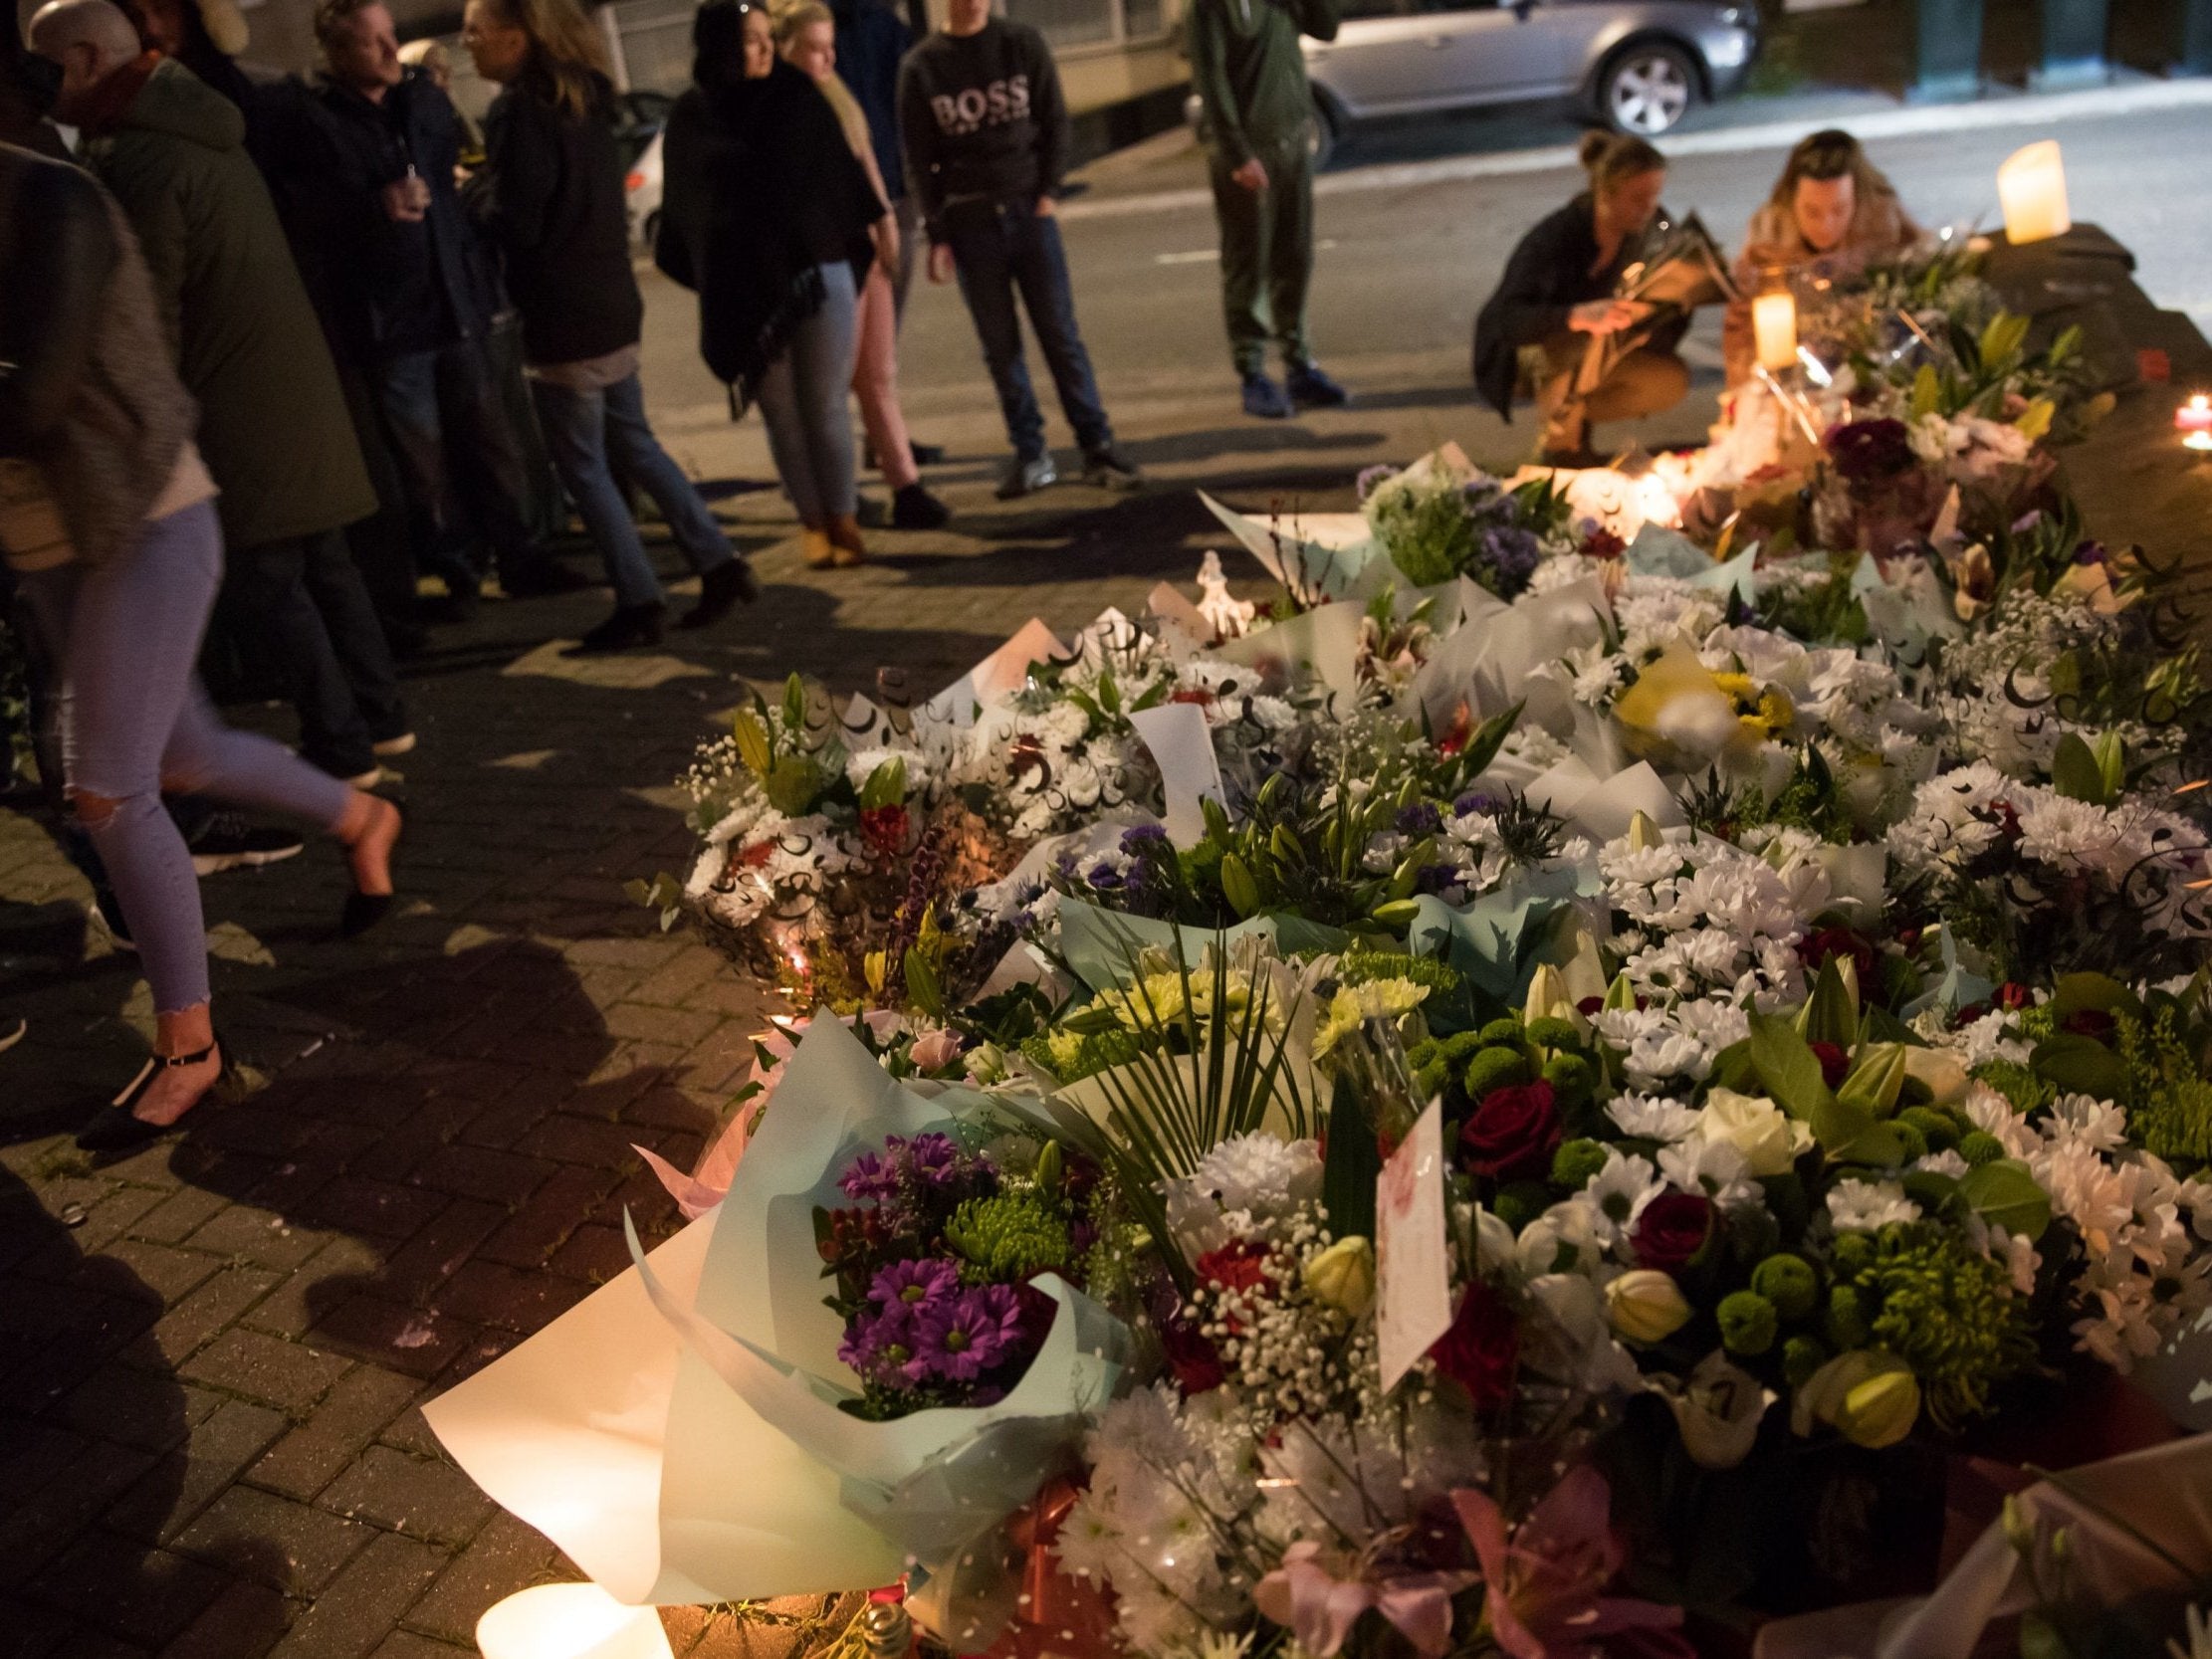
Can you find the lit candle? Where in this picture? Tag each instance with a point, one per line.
(2031, 186)
(570, 1621)
(1774, 328)
(2194, 415)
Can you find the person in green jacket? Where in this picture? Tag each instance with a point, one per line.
(274, 426)
(1257, 123)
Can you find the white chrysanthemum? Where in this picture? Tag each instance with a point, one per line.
(1619, 1193)
(1652, 1117)
(1857, 1206)
(1261, 1173)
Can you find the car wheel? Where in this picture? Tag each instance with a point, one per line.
(1321, 144)
(1647, 89)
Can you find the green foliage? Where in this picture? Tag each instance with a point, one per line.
(2168, 1099)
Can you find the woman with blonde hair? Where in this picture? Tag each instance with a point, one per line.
(552, 193)
(1556, 300)
(1831, 211)
(807, 32)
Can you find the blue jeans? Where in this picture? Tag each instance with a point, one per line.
(582, 429)
(446, 417)
(999, 250)
(803, 404)
(135, 722)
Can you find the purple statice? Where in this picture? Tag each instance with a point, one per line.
(966, 1336)
(1481, 498)
(1514, 554)
(1436, 878)
(1475, 802)
(879, 1346)
(1420, 818)
(1139, 840)
(1371, 478)
(914, 1285)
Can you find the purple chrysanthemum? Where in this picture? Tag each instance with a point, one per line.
(933, 1158)
(1371, 479)
(879, 1345)
(968, 1335)
(914, 1284)
(870, 1176)
(1420, 818)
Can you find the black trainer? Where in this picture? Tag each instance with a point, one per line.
(1309, 388)
(1026, 477)
(628, 628)
(915, 508)
(1106, 468)
(230, 843)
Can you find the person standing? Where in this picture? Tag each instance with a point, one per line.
(1257, 123)
(274, 427)
(551, 190)
(986, 130)
(107, 516)
(808, 35)
(417, 291)
(771, 220)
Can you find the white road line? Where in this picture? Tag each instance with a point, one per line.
(1206, 255)
(1911, 122)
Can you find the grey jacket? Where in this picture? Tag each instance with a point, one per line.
(88, 401)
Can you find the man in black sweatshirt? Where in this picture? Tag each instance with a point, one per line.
(987, 138)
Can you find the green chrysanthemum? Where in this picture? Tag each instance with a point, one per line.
(1006, 1239)
(1357, 967)
(1949, 1313)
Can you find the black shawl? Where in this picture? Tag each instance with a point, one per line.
(760, 191)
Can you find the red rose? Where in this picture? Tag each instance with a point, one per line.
(2089, 1022)
(1830, 942)
(1482, 1347)
(1192, 1359)
(1236, 1267)
(884, 828)
(1835, 1062)
(1673, 1230)
(1603, 543)
(1514, 1132)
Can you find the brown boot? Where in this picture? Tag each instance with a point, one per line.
(820, 555)
(844, 540)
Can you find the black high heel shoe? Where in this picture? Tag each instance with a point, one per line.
(364, 910)
(119, 1129)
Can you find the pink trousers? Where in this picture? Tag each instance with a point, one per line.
(875, 381)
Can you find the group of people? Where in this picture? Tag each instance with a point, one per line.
(1831, 210)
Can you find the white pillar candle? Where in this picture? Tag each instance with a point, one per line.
(2031, 187)
(1774, 328)
(570, 1621)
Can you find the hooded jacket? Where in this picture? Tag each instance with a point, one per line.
(274, 428)
(1251, 74)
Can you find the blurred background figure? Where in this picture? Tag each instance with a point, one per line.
(551, 191)
(1556, 300)
(807, 33)
(430, 56)
(1831, 211)
(772, 221)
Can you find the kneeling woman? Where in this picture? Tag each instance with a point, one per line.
(1832, 212)
(1557, 297)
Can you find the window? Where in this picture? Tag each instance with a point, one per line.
(1069, 23)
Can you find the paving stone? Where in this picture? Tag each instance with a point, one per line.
(267, 1238)
(292, 1547)
(178, 1488)
(246, 1621)
(503, 1557)
(406, 1644)
(285, 1375)
(199, 1316)
(554, 1213)
(119, 1402)
(354, 1616)
(123, 1588)
(425, 1498)
(338, 1270)
(312, 1455)
(380, 1209)
(35, 1531)
(481, 1173)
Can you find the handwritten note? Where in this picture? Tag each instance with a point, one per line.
(1413, 1272)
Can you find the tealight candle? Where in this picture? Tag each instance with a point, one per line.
(1774, 330)
(2031, 187)
(2193, 420)
(570, 1621)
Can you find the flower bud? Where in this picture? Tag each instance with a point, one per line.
(1881, 1411)
(1343, 1276)
(1646, 1306)
(1547, 997)
(1644, 832)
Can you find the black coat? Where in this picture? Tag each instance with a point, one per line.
(395, 287)
(1548, 276)
(761, 190)
(551, 193)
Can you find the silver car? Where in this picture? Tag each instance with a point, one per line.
(1638, 65)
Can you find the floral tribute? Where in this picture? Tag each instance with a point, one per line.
(1786, 912)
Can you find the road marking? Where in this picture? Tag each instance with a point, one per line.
(1206, 255)
(1911, 122)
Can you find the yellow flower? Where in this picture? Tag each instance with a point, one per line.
(1343, 1276)
(1352, 1005)
(1646, 1306)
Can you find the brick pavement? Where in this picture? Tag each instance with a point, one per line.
(212, 1354)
